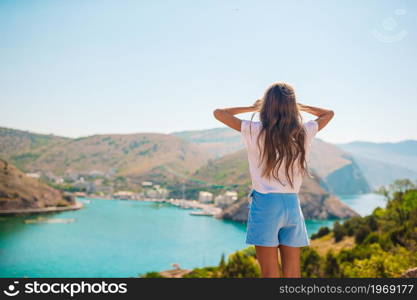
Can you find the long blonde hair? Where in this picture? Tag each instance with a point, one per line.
(283, 131)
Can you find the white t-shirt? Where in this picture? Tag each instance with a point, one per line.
(262, 184)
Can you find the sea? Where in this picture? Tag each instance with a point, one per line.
(121, 238)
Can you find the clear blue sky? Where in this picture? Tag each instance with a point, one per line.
(83, 67)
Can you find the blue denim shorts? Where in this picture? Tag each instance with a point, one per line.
(276, 219)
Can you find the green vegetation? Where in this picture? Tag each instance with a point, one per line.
(137, 143)
(385, 245)
(66, 187)
(22, 159)
(39, 140)
(385, 241)
(241, 264)
(322, 232)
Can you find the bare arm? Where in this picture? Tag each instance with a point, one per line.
(227, 115)
(324, 115)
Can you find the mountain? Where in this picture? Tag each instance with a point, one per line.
(14, 141)
(402, 153)
(344, 169)
(382, 163)
(379, 173)
(217, 141)
(142, 155)
(339, 172)
(316, 203)
(226, 170)
(20, 192)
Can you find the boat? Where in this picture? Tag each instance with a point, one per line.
(202, 213)
(49, 221)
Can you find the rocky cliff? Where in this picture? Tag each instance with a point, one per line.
(19, 192)
(338, 170)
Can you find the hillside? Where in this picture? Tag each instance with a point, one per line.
(14, 141)
(142, 155)
(375, 171)
(227, 170)
(217, 141)
(402, 153)
(376, 158)
(316, 203)
(19, 192)
(339, 172)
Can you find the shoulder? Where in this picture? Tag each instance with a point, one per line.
(311, 127)
(248, 126)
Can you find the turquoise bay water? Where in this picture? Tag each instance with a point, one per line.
(116, 238)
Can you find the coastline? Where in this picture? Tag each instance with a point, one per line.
(76, 206)
(203, 208)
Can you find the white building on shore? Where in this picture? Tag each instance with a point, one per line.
(205, 197)
(124, 195)
(225, 199)
(157, 193)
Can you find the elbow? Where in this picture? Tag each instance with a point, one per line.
(216, 113)
(331, 114)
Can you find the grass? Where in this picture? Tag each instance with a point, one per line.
(327, 242)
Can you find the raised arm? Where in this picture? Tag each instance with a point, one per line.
(227, 115)
(324, 115)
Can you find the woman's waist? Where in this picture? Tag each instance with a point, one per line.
(272, 194)
(275, 189)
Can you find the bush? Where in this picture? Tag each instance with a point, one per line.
(322, 232)
(338, 231)
(380, 264)
(357, 252)
(372, 238)
(240, 265)
(372, 222)
(361, 234)
(352, 224)
(310, 263)
(207, 272)
(331, 267)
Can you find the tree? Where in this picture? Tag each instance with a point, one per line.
(361, 234)
(310, 263)
(402, 185)
(241, 266)
(331, 267)
(222, 264)
(382, 191)
(338, 231)
(322, 232)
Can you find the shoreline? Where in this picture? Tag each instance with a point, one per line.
(76, 206)
(203, 208)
